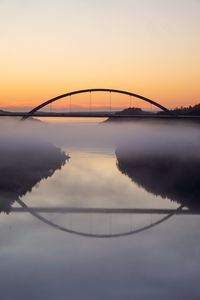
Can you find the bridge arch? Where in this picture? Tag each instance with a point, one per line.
(156, 104)
(93, 235)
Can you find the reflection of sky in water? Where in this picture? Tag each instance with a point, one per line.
(41, 263)
(92, 180)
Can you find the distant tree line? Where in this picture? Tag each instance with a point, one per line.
(190, 111)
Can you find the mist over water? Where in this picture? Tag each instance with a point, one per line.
(161, 151)
(177, 138)
(138, 165)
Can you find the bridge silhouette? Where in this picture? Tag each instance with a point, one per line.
(97, 114)
(83, 210)
(37, 211)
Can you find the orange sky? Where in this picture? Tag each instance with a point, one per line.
(52, 47)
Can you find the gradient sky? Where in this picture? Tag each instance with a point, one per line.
(150, 47)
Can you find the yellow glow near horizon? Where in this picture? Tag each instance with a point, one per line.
(146, 47)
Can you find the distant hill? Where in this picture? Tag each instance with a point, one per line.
(133, 111)
(188, 111)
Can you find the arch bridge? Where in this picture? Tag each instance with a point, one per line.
(102, 114)
(36, 213)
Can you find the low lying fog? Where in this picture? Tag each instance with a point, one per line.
(134, 137)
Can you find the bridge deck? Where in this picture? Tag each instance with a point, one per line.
(76, 210)
(100, 114)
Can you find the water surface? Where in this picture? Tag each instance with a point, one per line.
(108, 223)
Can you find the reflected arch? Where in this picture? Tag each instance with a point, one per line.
(43, 104)
(93, 235)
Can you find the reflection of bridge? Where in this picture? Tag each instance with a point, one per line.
(35, 212)
(81, 210)
(90, 113)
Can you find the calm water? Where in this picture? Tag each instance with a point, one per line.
(110, 222)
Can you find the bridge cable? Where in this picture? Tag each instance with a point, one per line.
(110, 100)
(90, 102)
(70, 103)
